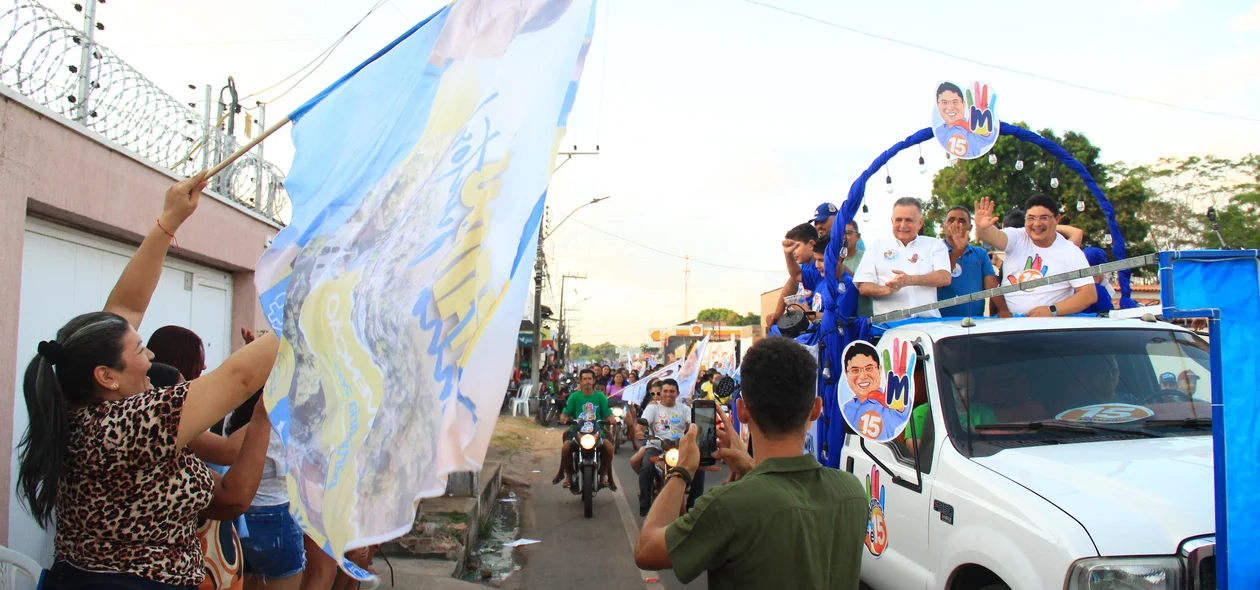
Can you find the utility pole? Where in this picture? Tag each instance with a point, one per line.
(540, 264)
(562, 348)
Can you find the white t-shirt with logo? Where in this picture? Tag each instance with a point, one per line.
(921, 256)
(1026, 261)
(667, 423)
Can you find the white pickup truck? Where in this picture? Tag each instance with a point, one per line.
(1088, 464)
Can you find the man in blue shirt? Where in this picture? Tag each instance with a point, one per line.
(970, 267)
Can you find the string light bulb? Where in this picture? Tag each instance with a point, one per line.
(1107, 239)
(1080, 204)
(922, 166)
(866, 214)
(1054, 182)
(888, 187)
(1019, 164)
(992, 159)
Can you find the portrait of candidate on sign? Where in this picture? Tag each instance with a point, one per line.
(877, 394)
(964, 121)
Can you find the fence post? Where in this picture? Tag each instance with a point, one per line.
(85, 62)
(258, 174)
(205, 141)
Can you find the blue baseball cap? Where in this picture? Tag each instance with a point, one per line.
(1095, 256)
(823, 211)
(1168, 379)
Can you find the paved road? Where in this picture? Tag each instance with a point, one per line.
(581, 553)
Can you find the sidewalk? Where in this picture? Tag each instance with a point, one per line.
(440, 548)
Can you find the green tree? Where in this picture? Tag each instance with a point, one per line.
(963, 182)
(719, 315)
(1183, 189)
(604, 351)
(579, 351)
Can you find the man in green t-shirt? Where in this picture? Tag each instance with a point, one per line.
(787, 522)
(980, 413)
(587, 405)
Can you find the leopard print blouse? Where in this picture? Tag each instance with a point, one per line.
(128, 501)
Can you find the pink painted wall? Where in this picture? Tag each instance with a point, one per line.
(53, 169)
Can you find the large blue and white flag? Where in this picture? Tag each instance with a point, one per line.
(418, 187)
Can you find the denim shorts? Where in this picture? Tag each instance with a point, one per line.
(273, 550)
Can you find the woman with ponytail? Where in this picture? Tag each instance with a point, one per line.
(105, 455)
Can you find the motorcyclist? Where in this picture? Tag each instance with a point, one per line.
(666, 420)
(590, 405)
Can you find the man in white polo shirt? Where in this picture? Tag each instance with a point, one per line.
(1033, 252)
(905, 270)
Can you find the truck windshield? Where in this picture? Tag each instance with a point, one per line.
(1055, 387)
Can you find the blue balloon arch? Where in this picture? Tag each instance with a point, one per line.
(857, 193)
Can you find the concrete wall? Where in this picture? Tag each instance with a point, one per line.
(53, 169)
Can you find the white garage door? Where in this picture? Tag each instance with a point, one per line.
(66, 273)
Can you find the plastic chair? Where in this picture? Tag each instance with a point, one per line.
(521, 401)
(12, 562)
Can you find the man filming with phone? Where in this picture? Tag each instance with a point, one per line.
(666, 420)
(786, 522)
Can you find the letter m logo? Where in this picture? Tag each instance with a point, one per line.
(981, 121)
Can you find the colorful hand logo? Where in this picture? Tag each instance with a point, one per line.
(876, 530)
(1034, 268)
(897, 393)
(982, 109)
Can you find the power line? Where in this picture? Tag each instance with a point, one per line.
(1004, 68)
(659, 251)
(321, 58)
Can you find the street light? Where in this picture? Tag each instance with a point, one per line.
(566, 217)
(536, 355)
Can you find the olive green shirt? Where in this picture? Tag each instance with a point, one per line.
(789, 523)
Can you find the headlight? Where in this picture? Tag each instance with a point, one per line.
(588, 441)
(619, 411)
(671, 457)
(1126, 573)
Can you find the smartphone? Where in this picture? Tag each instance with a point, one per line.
(704, 416)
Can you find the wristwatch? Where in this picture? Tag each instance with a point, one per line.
(1054, 311)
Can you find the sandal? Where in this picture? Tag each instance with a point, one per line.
(555, 480)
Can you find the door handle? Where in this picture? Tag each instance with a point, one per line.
(848, 465)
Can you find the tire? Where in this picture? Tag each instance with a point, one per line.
(541, 415)
(618, 438)
(996, 586)
(588, 491)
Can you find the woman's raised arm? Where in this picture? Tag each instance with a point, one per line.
(130, 297)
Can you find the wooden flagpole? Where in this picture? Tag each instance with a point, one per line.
(245, 148)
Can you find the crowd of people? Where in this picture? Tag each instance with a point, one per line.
(909, 270)
(157, 474)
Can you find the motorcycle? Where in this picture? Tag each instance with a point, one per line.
(661, 463)
(551, 403)
(618, 429)
(586, 464)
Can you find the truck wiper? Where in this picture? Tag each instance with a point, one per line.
(1062, 426)
(1194, 423)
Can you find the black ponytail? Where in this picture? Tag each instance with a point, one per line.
(59, 377)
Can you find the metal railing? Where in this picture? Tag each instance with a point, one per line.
(50, 61)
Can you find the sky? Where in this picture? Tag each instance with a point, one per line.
(722, 123)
